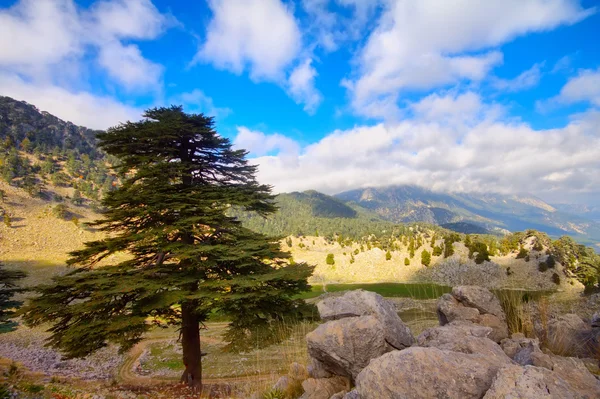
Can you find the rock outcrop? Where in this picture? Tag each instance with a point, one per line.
(363, 341)
(427, 373)
(360, 326)
(474, 304)
(529, 382)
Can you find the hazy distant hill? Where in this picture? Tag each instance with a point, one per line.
(493, 212)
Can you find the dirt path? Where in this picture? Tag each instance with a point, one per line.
(127, 376)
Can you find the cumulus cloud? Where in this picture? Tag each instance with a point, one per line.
(261, 35)
(48, 47)
(302, 86)
(584, 87)
(484, 154)
(260, 144)
(428, 44)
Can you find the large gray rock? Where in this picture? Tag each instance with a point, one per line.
(479, 298)
(474, 304)
(521, 349)
(427, 373)
(529, 383)
(365, 303)
(596, 320)
(344, 347)
(573, 371)
(324, 388)
(464, 337)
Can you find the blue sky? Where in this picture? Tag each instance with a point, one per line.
(495, 95)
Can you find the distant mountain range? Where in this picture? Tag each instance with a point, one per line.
(492, 212)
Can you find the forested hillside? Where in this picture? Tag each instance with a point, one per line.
(38, 150)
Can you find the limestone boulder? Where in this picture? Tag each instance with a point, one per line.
(365, 303)
(324, 388)
(464, 337)
(529, 382)
(479, 298)
(344, 347)
(572, 370)
(474, 304)
(428, 373)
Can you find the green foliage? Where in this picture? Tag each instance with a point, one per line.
(538, 246)
(555, 278)
(550, 261)
(188, 258)
(329, 259)
(425, 258)
(577, 259)
(274, 394)
(437, 251)
(7, 220)
(542, 266)
(77, 199)
(60, 211)
(448, 241)
(522, 253)
(388, 255)
(8, 288)
(288, 241)
(406, 262)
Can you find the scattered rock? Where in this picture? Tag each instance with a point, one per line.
(572, 370)
(474, 304)
(353, 394)
(316, 369)
(529, 383)
(324, 388)
(596, 320)
(479, 298)
(427, 373)
(344, 347)
(464, 337)
(365, 303)
(520, 349)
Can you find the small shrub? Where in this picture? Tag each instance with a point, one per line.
(509, 272)
(527, 258)
(330, 259)
(75, 221)
(437, 251)
(550, 261)
(406, 261)
(522, 253)
(274, 394)
(388, 255)
(542, 267)
(7, 220)
(33, 388)
(556, 278)
(538, 246)
(60, 211)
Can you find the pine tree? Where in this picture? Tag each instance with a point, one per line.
(388, 255)
(8, 287)
(425, 258)
(188, 256)
(329, 259)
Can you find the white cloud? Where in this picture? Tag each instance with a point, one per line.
(427, 44)
(302, 86)
(81, 108)
(482, 153)
(37, 32)
(585, 87)
(49, 47)
(261, 35)
(198, 101)
(38, 38)
(525, 80)
(260, 144)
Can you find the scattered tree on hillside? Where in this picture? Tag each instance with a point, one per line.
(411, 247)
(388, 255)
(188, 257)
(406, 262)
(437, 251)
(8, 288)
(522, 253)
(329, 259)
(425, 258)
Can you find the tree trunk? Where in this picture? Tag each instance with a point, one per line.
(190, 341)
